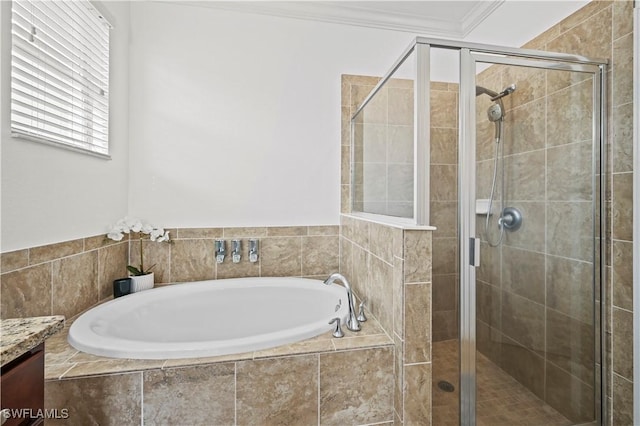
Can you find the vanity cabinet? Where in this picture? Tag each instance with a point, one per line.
(22, 387)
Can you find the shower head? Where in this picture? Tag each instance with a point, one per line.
(507, 91)
(484, 91)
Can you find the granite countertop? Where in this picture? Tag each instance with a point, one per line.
(19, 335)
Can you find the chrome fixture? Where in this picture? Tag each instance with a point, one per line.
(510, 219)
(361, 316)
(253, 250)
(221, 250)
(236, 251)
(352, 322)
(338, 331)
(496, 113)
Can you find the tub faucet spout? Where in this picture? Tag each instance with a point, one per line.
(352, 322)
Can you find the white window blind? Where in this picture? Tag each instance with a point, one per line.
(60, 74)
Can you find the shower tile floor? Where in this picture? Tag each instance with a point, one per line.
(502, 401)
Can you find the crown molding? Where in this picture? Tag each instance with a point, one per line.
(366, 14)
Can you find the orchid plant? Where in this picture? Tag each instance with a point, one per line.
(128, 225)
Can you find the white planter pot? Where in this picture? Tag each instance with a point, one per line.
(141, 282)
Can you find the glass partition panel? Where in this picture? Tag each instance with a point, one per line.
(383, 147)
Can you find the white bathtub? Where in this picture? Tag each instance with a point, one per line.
(208, 318)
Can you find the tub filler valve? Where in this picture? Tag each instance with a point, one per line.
(338, 331)
(352, 321)
(253, 250)
(221, 250)
(235, 253)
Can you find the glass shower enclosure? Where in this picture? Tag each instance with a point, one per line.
(502, 150)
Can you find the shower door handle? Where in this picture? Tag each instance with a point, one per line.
(474, 252)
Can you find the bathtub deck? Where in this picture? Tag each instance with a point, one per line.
(62, 361)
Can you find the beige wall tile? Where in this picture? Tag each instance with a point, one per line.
(570, 288)
(444, 325)
(570, 180)
(286, 231)
(158, 254)
(570, 345)
(280, 391)
(523, 273)
(320, 255)
(490, 264)
(591, 37)
(622, 18)
(74, 284)
(622, 343)
(358, 392)
(201, 395)
(398, 376)
(622, 82)
(523, 321)
(192, 260)
(529, 120)
(445, 257)
(445, 292)
(400, 144)
(346, 258)
(244, 232)
(623, 206)
(488, 304)
(380, 292)
(281, 257)
(27, 292)
(525, 174)
(381, 242)
(417, 399)
(400, 106)
(569, 228)
(417, 252)
(106, 400)
(443, 182)
(244, 268)
(444, 109)
(99, 241)
(568, 395)
(199, 233)
(623, 138)
(324, 230)
(417, 323)
(623, 274)
(530, 84)
(55, 251)
(524, 366)
(444, 146)
(14, 260)
(622, 401)
(398, 297)
(112, 261)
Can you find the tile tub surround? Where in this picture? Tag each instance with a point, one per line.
(391, 267)
(317, 381)
(292, 251)
(60, 279)
(20, 335)
(69, 277)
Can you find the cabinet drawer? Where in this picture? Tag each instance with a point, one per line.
(22, 383)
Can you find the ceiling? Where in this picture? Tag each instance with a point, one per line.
(447, 19)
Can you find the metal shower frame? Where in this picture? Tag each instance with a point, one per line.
(470, 54)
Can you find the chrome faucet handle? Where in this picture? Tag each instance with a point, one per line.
(253, 250)
(220, 251)
(235, 253)
(361, 316)
(338, 331)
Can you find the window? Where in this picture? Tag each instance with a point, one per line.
(60, 74)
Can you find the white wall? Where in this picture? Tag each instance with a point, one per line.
(235, 118)
(50, 194)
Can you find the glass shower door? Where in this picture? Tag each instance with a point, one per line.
(530, 233)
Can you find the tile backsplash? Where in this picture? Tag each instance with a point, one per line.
(69, 277)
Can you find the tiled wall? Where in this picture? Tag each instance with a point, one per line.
(605, 29)
(391, 267)
(345, 387)
(60, 279)
(383, 149)
(68, 278)
(443, 195)
(296, 251)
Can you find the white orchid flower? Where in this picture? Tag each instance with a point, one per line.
(147, 228)
(156, 233)
(164, 237)
(115, 235)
